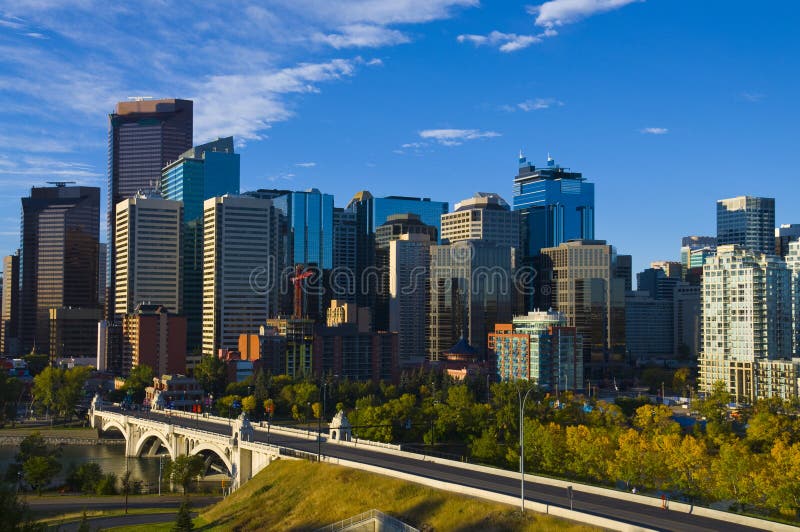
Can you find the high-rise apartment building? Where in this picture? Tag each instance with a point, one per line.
(237, 234)
(471, 289)
(9, 313)
(747, 221)
(203, 172)
(539, 347)
(148, 247)
(409, 271)
(785, 234)
(485, 216)
(143, 137)
(582, 283)
(58, 258)
(299, 354)
(747, 318)
(793, 263)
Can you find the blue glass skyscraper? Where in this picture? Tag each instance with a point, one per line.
(555, 206)
(205, 171)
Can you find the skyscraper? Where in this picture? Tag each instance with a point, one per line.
(9, 313)
(143, 137)
(555, 206)
(203, 172)
(59, 257)
(371, 213)
(747, 221)
(148, 254)
(237, 234)
(747, 318)
(485, 216)
(343, 278)
(471, 289)
(409, 271)
(581, 278)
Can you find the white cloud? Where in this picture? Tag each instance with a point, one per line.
(245, 105)
(539, 103)
(377, 11)
(455, 137)
(654, 131)
(752, 97)
(560, 12)
(361, 36)
(505, 42)
(306, 165)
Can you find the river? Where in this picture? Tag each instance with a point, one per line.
(111, 459)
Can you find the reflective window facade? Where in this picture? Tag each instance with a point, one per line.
(555, 205)
(748, 222)
(59, 257)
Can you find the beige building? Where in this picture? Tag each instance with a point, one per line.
(581, 278)
(238, 275)
(148, 253)
(485, 216)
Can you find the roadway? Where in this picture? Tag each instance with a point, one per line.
(599, 505)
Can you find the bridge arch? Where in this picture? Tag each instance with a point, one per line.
(113, 424)
(213, 448)
(144, 438)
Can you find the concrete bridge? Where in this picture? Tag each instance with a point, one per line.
(241, 456)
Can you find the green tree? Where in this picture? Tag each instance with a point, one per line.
(85, 478)
(249, 404)
(655, 419)
(183, 469)
(184, 521)
(36, 362)
(14, 512)
(59, 390)
(107, 485)
(211, 375)
(680, 380)
(715, 409)
(39, 471)
(125, 482)
(139, 378)
(10, 392)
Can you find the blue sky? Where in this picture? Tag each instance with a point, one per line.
(667, 105)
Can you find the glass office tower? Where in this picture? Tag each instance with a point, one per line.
(205, 171)
(371, 213)
(555, 206)
(59, 257)
(748, 222)
(143, 137)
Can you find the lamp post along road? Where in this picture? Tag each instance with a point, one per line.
(522, 444)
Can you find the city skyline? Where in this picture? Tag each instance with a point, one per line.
(694, 108)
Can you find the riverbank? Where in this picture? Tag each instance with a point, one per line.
(55, 435)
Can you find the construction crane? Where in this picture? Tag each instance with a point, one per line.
(61, 183)
(297, 280)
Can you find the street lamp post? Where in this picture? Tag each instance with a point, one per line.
(522, 400)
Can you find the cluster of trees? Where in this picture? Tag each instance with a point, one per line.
(59, 391)
(37, 463)
(11, 389)
(752, 460)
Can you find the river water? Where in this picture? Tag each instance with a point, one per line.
(110, 458)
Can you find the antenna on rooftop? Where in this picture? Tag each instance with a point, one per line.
(139, 98)
(60, 183)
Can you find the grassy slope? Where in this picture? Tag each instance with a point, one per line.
(298, 495)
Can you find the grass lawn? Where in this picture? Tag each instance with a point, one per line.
(299, 495)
